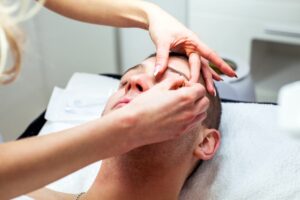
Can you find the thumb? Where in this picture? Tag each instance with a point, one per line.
(172, 83)
(162, 56)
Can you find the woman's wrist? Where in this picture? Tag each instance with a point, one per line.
(146, 11)
(114, 132)
(126, 120)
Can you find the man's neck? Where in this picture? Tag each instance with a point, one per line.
(127, 181)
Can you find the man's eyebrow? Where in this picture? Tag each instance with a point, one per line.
(178, 72)
(132, 68)
(169, 68)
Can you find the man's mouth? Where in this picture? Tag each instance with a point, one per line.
(122, 103)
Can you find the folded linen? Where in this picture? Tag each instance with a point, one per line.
(82, 100)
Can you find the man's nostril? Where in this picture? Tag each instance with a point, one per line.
(139, 87)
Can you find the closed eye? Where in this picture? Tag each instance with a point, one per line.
(123, 84)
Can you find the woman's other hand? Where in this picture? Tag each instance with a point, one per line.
(168, 34)
(166, 111)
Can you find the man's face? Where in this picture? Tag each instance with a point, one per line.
(165, 154)
(140, 79)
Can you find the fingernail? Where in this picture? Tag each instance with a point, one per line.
(156, 70)
(215, 93)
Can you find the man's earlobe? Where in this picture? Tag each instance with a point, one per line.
(207, 148)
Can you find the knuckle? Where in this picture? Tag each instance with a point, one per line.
(199, 89)
(202, 105)
(211, 54)
(206, 100)
(185, 97)
(189, 116)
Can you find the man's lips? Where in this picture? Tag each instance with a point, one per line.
(122, 102)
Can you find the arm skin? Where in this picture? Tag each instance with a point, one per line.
(118, 13)
(32, 163)
(29, 164)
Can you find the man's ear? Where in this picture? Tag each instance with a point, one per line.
(208, 146)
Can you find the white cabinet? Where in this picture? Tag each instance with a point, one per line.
(263, 33)
(229, 26)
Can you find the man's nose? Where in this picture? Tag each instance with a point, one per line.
(139, 83)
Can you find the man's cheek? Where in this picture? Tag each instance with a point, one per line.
(111, 102)
(107, 108)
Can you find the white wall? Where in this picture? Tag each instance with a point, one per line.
(56, 48)
(25, 98)
(69, 46)
(261, 33)
(230, 26)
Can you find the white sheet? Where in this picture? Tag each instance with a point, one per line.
(255, 160)
(82, 100)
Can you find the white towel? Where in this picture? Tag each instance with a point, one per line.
(255, 160)
(82, 100)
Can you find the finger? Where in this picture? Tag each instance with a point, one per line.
(215, 75)
(162, 56)
(171, 83)
(207, 76)
(195, 65)
(195, 122)
(193, 93)
(214, 58)
(199, 118)
(202, 105)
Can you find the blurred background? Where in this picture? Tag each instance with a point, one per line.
(261, 38)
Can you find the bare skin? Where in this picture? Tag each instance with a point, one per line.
(156, 171)
(59, 154)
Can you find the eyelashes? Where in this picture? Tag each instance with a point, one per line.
(123, 83)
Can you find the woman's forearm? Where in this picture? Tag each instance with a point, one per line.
(32, 163)
(118, 13)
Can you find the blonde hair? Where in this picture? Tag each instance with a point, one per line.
(13, 12)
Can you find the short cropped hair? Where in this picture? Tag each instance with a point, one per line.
(214, 111)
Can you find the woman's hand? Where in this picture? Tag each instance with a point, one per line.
(165, 112)
(170, 35)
